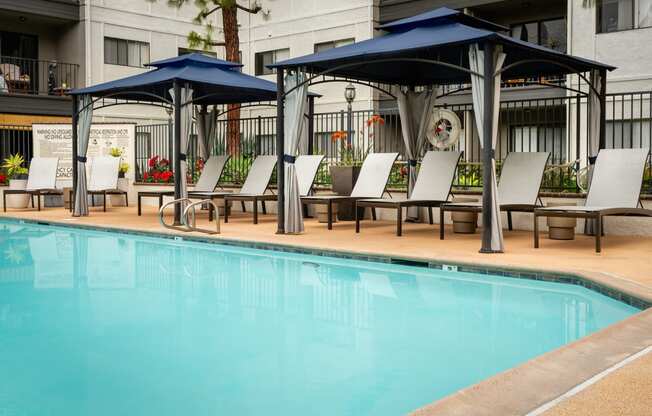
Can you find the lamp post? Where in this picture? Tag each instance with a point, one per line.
(349, 95)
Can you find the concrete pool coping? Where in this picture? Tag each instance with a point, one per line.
(521, 389)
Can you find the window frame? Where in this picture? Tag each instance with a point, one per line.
(125, 45)
(260, 67)
(598, 21)
(539, 23)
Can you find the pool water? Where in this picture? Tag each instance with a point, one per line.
(100, 323)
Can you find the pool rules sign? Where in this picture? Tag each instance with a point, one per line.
(55, 140)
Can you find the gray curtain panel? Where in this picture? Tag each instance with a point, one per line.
(594, 135)
(206, 132)
(186, 130)
(295, 108)
(415, 111)
(83, 134)
(476, 63)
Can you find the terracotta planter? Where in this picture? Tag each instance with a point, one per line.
(464, 222)
(561, 228)
(17, 201)
(321, 211)
(344, 178)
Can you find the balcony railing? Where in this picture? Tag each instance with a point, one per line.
(37, 77)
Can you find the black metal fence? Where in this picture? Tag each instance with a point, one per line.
(555, 125)
(34, 76)
(16, 139)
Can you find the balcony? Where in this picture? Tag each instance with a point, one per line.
(33, 86)
(37, 77)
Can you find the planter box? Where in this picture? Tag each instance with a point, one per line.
(321, 211)
(344, 178)
(561, 228)
(17, 201)
(464, 222)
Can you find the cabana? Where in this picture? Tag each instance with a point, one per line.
(417, 54)
(177, 83)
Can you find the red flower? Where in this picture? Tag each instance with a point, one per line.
(145, 176)
(165, 176)
(404, 170)
(375, 119)
(152, 161)
(156, 175)
(163, 162)
(3, 178)
(338, 135)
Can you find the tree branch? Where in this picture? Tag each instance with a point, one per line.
(253, 10)
(209, 12)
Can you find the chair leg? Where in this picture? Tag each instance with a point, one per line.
(104, 200)
(598, 233)
(226, 211)
(329, 212)
(357, 218)
(509, 221)
(4, 201)
(441, 222)
(31, 198)
(255, 211)
(373, 213)
(38, 200)
(536, 231)
(140, 198)
(244, 207)
(399, 221)
(264, 207)
(430, 215)
(126, 199)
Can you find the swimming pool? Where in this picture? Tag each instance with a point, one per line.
(104, 323)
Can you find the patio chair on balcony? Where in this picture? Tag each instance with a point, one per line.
(103, 179)
(41, 181)
(207, 182)
(615, 190)
(16, 80)
(306, 167)
(371, 184)
(432, 188)
(518, 190)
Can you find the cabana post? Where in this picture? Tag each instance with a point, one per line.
(280, 150)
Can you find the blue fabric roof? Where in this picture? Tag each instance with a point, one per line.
(222, 80)
(444, 35)
(440, 14)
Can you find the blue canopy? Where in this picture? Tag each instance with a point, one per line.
(399, 57)
(214, 81)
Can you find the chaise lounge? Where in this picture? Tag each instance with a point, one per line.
(41, 181)
(615, 190)
(432, 188)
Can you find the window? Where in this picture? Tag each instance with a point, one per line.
(615, 15)
(185, 51)
(540, 139)
(324, 46)
(268, 58)
(548, 33)
(126, 52)
(625, 134)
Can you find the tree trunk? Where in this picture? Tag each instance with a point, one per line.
(232, 42)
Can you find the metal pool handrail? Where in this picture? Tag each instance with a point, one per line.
(187, 223)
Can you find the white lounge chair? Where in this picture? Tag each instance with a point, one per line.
(518, 188)
(41, 180)
(103, 179)
(432, 188)
(615, 190)
(306, 167)
(371, 183)
(207, 182)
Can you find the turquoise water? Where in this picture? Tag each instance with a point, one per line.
(97, 323)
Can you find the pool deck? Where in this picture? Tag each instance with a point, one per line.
(625, 264)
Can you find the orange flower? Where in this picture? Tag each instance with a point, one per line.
(338, 135)
(375, 119)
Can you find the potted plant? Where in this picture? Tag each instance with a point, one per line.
(14, 165)
(123, 182)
